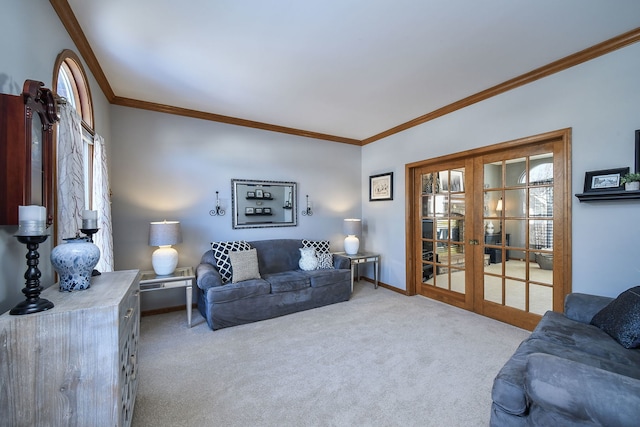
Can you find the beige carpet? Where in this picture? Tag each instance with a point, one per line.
(380, 359)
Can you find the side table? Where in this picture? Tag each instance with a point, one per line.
(183, 277)
(362, 258)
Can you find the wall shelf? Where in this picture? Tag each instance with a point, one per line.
(601, 196)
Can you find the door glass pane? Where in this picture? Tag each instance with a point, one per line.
(540, 299)
(515, 294)
(443, 229)
(515, 170)
(493, 175)
(518, 241)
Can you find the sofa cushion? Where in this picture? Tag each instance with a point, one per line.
(236, 291)
(325, 258)
(288, 281)
(319, 278)
(244, 265)
(555, 327)
(621, 318)
(508, 388)
(221, 254)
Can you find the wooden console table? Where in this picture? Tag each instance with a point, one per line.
(75, 364)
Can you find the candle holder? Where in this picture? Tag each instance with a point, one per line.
(218, 211)
(308, 211)
(89, 232)
(33, 303)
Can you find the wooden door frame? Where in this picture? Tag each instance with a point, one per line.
(563, 135)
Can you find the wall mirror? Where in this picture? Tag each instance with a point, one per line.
(263, 203)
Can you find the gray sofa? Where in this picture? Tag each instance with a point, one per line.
(570, 372)
(282, 287)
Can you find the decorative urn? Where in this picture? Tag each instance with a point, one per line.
(74, 262)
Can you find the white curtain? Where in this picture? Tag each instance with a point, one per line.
(70, 173)
(102, 203)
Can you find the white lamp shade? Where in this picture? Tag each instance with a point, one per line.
(352, 228)
(164, 234)
(499, 206)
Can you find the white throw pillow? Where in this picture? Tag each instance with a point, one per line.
(308, 260)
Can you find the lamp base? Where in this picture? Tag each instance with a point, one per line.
(351, 245)
(164, 260)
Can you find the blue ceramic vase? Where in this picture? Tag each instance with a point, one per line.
(74, 262)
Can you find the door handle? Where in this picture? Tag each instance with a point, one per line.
(474, 242)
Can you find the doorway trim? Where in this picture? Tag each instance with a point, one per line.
(411, 222)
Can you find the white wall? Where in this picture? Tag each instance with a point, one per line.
(31, 54)
(598, 99)
(169, 167)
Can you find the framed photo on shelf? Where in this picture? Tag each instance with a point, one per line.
(248, 211)
(381, 187)
(258, 210)
(266, 211)
(259, 193)
(604, 180)
(266, 195)
(251, 194)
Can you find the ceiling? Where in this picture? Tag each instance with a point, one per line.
(347, 68)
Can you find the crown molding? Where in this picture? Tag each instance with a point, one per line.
(162, 108)
(585, 55)
(72, 26)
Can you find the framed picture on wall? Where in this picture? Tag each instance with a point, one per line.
(381, 187)
(604, 180)
(259, 193)
(248, 211)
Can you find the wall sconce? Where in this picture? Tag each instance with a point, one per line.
(308, 211)
(218, 211)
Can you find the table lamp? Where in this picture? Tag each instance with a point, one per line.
(164, 234)
(352, 228)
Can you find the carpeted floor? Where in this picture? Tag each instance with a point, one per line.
(380, 359)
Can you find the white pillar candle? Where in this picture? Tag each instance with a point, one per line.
(89, 219)
(31, 220)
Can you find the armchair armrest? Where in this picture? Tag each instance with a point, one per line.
(341, 262)
(582, 307)
(581, 391)
(207, 276)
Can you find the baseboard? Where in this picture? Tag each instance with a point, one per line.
(164, 310)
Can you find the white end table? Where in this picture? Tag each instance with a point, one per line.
(183, 277)
(362, 258)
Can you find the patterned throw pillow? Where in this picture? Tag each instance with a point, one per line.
(221, 253)
(245, 265)
(325, 259)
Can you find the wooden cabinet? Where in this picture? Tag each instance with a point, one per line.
(26, 151)
(75, 364)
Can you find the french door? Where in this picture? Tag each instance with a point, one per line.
(490, 229)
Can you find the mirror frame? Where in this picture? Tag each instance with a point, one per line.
(240, 200)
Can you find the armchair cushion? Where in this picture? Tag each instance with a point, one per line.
(621, 318)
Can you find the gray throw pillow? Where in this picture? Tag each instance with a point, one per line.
(245, 265)
(621, 318)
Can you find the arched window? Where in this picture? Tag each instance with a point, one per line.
(70, 82)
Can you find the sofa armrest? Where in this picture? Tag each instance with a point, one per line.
(207, 276)
(582, 307)
(581, 391)
(341, 262)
